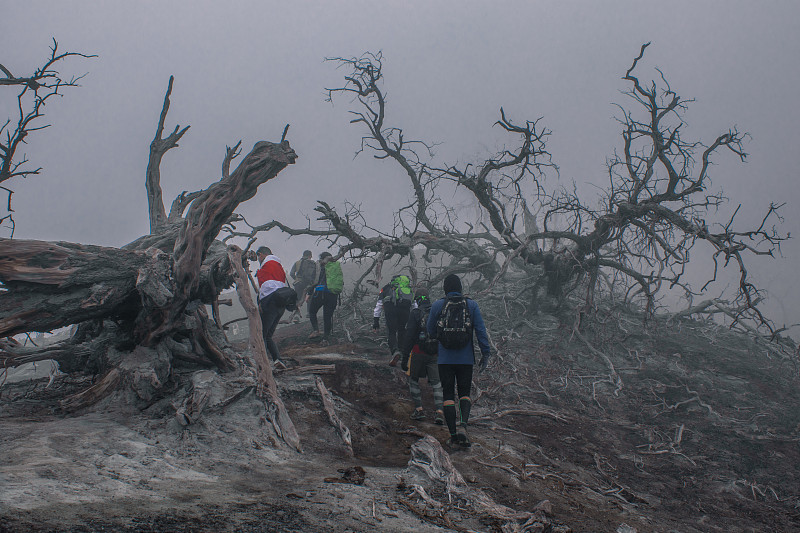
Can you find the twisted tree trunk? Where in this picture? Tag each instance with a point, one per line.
(145, 300)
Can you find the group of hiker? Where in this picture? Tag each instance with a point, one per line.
(317, 282)
(433, 340)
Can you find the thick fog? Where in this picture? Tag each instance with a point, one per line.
(243, 70)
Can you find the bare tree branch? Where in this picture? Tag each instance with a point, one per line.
(158, 147)
(36, 90)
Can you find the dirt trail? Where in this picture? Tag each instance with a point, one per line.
(702, 436)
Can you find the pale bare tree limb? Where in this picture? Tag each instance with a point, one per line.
(158, 147)
(279, 416)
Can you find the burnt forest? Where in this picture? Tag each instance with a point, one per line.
(137, 393)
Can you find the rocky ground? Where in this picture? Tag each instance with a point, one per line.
(620, 427)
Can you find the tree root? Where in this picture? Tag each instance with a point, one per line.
(428, 456)
(541, 411)
(341, 428)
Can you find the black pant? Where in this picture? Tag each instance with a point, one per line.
(300, 288)
(327, 301)
(271, 314)
(396, 317)
(450, 375)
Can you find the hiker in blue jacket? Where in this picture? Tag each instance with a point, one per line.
(456, 321)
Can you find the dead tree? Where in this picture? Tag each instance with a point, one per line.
(35, 91)
(651, 215)
(140, 309)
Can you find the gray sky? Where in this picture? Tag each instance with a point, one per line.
(245, 69)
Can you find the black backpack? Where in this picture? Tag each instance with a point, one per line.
(426, 343)
(454, 327)
(285, 297)
(306, 271)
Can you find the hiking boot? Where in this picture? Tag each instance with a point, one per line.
(315, 335)
(395, 359)
(418, 414)
(453, 441)
(279, 364)
(463, 440)
(439, 420)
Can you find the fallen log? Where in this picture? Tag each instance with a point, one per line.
(55, 284)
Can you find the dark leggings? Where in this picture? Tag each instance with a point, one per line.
(271, 314)
(396, 320)
(327, 301)
(450, 375)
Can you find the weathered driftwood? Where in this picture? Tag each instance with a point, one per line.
(51, 285)
(341, 428)
(54, 284)
(279, 417)
(152, 290)
(99, 390)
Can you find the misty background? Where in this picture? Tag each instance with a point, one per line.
(243, 70)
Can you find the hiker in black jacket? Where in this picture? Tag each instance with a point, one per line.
(419, 357)
(304, 273)
(394, 301)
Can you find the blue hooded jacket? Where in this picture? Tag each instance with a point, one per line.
(465, 355)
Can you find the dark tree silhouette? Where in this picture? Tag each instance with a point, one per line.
(651, 216)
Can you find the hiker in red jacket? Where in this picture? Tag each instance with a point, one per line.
(271, 277)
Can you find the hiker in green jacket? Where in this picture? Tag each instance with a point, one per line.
(325, 294)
